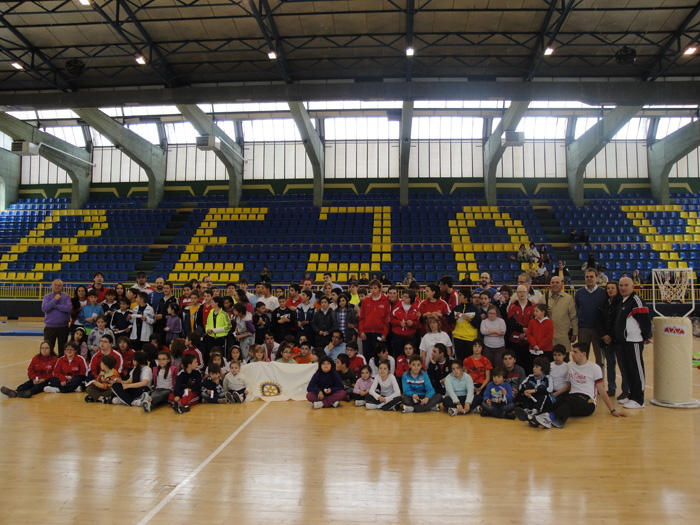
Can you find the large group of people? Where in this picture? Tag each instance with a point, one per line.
(499, 351)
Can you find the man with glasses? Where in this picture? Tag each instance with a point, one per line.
(534, 296)
(562, 312)
(587, 300)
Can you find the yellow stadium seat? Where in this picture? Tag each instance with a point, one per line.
(342, 277)
(386, 257)
(672, 264)
(354, 267)
(364, 267)
(459, 256)
(322, 267)
(376, 257)
(473, 268)
(474, 276)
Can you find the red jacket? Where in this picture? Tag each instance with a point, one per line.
(521, 316)
(374, 315)
(356, 363)
(398, 314)
(65, 368)
(96, 361)
(42, 367)
(541, 334)
(402, 366)
(127, 361)
(439, 306)
(452, 301)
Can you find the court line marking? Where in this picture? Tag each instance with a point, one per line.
(15, 364)
(201, 466)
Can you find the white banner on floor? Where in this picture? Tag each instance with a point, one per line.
(277, 381)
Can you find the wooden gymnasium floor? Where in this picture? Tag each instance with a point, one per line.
(68, 462)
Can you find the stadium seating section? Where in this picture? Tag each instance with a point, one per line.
(187, 237)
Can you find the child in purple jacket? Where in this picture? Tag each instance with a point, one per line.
(173, 324)
(325, 389)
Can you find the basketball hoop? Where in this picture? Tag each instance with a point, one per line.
(671, 285)
(673, 339)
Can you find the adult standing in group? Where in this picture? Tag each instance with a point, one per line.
(534, 296)
(562, 312)
(141, 283)
(587, 301)
(520, 313)
(485, 281)
(57, 308)
(374, 319)
(607, 314)
(633, 331)
(97, 284)
(156, 295)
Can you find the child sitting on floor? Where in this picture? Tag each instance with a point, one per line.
(362, 387)
(459, 389)
(479, 368)
(347, 376)
(69, 373)
(498, 397)
(234, 384)
(536, 392)
(418, 392)
(134, 391)
(101, 388)
(384, 392)
(187, 385)
(212, 387)
(325, 389)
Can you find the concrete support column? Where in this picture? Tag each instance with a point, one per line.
(75, 161)
(584, 149)
(662, 155)
(314, 148)
(405, 150)
(151, 158)
(228, 151)
(10, 167)
(494, 148)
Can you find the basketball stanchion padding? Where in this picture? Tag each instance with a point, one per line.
(673, 353)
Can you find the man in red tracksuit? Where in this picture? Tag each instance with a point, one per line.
(374, 319)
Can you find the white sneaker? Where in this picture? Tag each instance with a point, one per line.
(452, 411)
(318, 404)
(336, 404)
(407, 409)
(436, 408)
(543, 419)
(78, 389)
(360, 403)
(369, 406)
(632, 404)
(51, 390)
(146, 403)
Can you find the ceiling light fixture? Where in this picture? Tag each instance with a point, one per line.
(690, 51)
(410, 51)
(141, 60)
(17, 65)
(548, 51)
(84, 2)
(272, 55)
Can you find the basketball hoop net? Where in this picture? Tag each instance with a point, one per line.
(671, 285)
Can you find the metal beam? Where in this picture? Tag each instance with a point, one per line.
(592, 93)
(268, 28)
(662, 155)
(10, 170)
(58, 81)
(75, 161)
(229, 152)
(410, 14)
(549, 29)
(314, 148)
(584, 149)
(154, 55)
(405, 150)
(672, 45)
(151, 158)
(494, 147)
